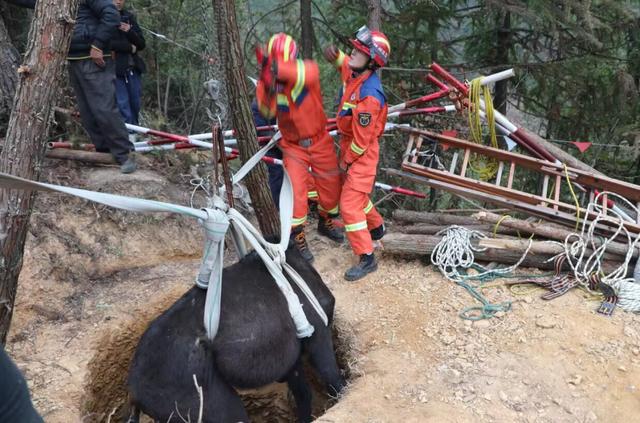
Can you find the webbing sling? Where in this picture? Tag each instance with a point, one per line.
(216, 221)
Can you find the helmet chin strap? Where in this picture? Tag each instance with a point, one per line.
(364, 67)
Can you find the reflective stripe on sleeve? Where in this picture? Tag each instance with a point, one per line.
(357, 149)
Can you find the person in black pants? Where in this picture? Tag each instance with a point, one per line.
(92, 76)
(15, 402)
(126, 44)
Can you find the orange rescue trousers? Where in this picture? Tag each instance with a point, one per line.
(359, 215)
(318, 152)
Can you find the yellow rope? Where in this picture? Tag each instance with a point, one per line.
(497, 225)
(495, 228)
(525, 289)
(590, 295)
(485, 167)
(573, 194)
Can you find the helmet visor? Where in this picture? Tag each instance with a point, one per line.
(363, 35)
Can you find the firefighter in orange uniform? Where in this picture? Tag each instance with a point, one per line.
(289, 88)
(362, 115)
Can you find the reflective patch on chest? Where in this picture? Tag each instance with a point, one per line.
(364, 119)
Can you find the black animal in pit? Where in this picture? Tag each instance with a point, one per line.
(256, 344)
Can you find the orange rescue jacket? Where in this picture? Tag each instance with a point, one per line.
(297, 101)
(362, 115)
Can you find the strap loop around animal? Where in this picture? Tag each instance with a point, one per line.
(273, 255)
(214, 221)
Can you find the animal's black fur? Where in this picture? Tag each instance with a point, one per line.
(256, 344)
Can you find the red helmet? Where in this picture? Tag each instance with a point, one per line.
(374, 44)
(282, 47)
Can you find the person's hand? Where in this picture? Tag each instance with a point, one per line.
(331, 53)
(97, 56)
(344, 167)
(124, 27)
(267, 75)
(261, 57)
(133, 48)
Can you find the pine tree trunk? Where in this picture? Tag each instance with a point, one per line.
(502, 58)
(307, 38)
(375, 14)
(231, 57)
(9, 59)
(24, 146)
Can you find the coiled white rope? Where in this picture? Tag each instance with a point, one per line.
(584, 265)
(456, 251)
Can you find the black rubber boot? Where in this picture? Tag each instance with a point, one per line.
(377, 233)
(129, 166)
(328, 228)
(366, 265)
(300, 241)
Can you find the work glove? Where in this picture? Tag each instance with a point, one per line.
(331, 53)
(261, 57)
(267, 75)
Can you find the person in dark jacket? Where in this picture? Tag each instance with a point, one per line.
(276, 172)
(126, 44)
(92, 75)
(15, 403)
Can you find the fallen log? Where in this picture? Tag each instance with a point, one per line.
(433, 218)
(423, 245)
(471, 211)
(560, 154)
(547, 230)
(80, 155)
(537, 247)
(427, 229)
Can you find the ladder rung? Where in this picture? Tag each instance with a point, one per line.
(556, 193)
(499, 175)
(407, 153)
(545, 188)
(465, 162)
(418, 145)
(454, 162)
(512, 171)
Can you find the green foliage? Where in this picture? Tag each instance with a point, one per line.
(577, 62)
(173, 91)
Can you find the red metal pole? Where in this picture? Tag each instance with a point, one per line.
(449, 78)
(425, 110)
(66, 144)
(435, 81)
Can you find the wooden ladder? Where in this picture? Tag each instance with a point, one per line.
(541, 204)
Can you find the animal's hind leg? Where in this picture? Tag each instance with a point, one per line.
(323, 359)
(222, 404)
(301, 391)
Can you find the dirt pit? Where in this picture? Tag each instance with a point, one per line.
(411, 357)
(105, 396)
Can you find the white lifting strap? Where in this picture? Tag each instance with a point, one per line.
(216, 222)
(273, 255)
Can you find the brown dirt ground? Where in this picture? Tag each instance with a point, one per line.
(411, 357)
